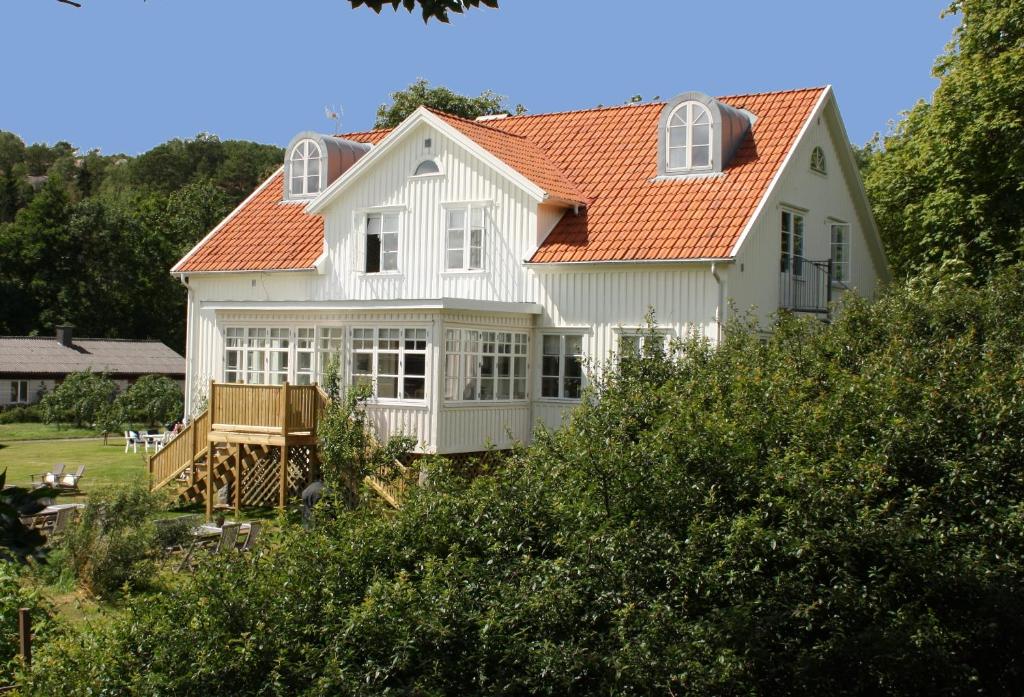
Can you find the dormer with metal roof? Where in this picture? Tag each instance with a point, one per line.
(314, 160)
(697, 134)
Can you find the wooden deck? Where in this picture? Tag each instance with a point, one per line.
(258, 440)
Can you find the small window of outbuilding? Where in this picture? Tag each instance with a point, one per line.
(818, 160)
(427, 167)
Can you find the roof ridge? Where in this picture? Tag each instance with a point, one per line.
(478, 124)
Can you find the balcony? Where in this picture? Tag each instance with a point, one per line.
(805, 285)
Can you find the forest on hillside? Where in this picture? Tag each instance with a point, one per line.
(89, 238)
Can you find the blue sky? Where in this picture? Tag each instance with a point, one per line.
(125, 75)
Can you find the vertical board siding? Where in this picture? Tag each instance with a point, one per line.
(393, 419)
(469, 429)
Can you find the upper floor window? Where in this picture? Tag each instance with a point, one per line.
(427, 167)
(840, 252)
(464, 239)
(689, 137)
(818, 160)
(381, 242)
(792, 261)
(306, 168)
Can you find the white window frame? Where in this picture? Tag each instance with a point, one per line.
(284, 340)
(563, 336)
(299, 168)
(818, 153)
(397, 232)
(404, 335)
(466, 248)
(693, 111)
(840, 268)
(640, 334)
(466, 352)
(791, 244)
(19, 392)
(417, 173)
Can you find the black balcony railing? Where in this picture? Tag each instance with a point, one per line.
(806, 285)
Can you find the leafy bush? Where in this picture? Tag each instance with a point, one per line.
(32, 413)
(13, 596)
(835, 511)
(79, 399)
(152, 399)
(114, 543)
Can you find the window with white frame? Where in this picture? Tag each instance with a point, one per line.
(464, 238)
(381, 242)
(19, 391)
(689, 137)
(391, 360)
(331, 341)
(792, 227)
(840, 233)
(485, 365)
(818, 160)
(562, 366)
(272, 355)
(426, 167)
(306, 168)
(633, 341)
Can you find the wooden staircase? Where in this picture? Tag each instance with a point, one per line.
(260, 442)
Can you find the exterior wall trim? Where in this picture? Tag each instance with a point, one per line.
(457, 304)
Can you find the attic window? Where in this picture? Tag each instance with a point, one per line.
(689, 137)
(427, 167)
(818, 160)
(306, 168)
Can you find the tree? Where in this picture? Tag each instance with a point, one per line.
(79, 399)
(832, 510)
(152, 399)
(430, 9)
(419, 93)
(946, 184)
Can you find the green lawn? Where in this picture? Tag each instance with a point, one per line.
(104, 464)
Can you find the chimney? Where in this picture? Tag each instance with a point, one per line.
(64, 334)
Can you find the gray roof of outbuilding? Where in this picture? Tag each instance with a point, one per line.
(39, 355)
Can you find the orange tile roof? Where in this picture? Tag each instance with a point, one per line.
(612, 155)
(265, 233)
(605, 158)
(521, 155)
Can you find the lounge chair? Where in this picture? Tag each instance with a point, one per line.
(48, 478)
(69, 480)
(250, 539)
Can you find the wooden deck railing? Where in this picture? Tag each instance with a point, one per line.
(273, 409)
(181, 453)
(391, 482)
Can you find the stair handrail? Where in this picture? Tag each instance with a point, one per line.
(180, 453)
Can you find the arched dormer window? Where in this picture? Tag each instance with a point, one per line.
(306, 168)
(689, 137)
(818, 160)
(426, 167)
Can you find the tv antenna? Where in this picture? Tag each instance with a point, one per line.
(334, 114)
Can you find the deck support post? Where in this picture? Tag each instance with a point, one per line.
(209, 484)
(282, 421)
(238, 479)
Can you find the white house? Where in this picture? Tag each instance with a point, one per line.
(463, 269)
